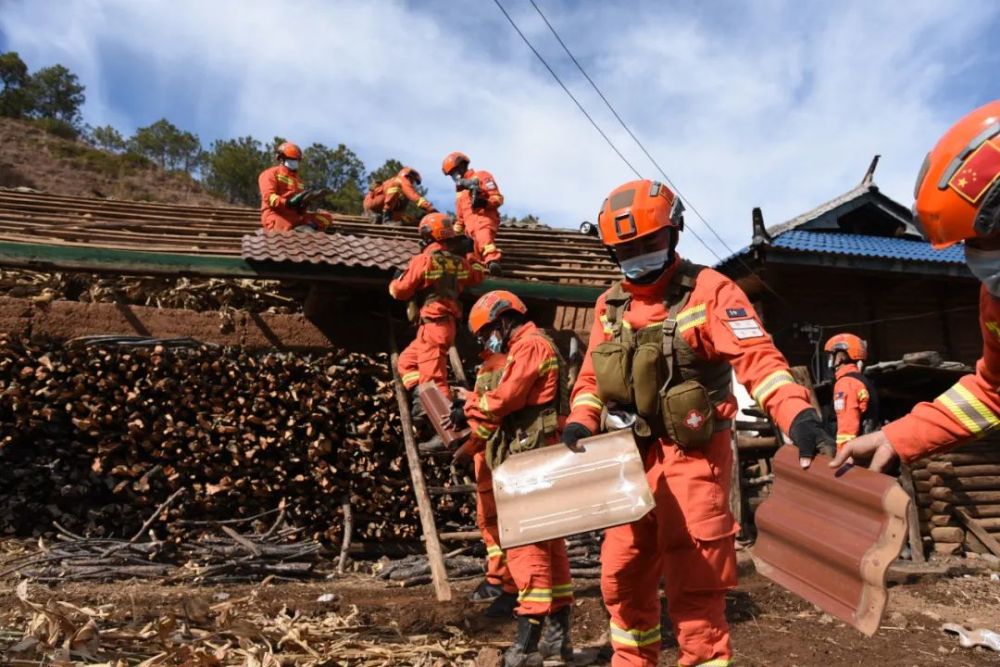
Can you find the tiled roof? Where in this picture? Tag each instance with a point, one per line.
(867, 246)
(337, 249)
(555, 256)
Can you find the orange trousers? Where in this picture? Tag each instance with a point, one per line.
(272, 222)
(426, 358)
(688, 541)
(482, 229)
(541, 574)
(497, 572)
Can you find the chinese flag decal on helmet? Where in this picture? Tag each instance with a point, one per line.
(491, 305)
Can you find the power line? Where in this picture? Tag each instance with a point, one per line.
(599, 130)
(656, 164)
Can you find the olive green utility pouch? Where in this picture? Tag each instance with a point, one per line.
(688, 414)
(647, 378)
(613, 370)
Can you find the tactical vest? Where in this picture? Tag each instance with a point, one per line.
(531, 426)
(375, 199)
(445, 272)
(654, 373)
(870, 417)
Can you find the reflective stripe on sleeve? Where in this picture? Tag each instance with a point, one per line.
(484, 432)
(550, 364)
(535, 595)
(484, 405)
(411, 379)
(770, 384)
(635, 638)
(970, 412)
(691, 317)
(273, 199)
(589, 400)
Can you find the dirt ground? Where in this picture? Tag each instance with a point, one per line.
(357, 620)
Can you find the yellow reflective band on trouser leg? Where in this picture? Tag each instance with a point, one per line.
(842, 438)
(634, 638)
(494, 551)
(714, 662)
(410, 379)
(562, 592)
(535, 595)
(970, 412)
(771, 384)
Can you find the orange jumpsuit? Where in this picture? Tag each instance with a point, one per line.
(278, 185)
(497, 572)
(530, 377)
(967, 411)
(391, 196)
(850, 402)
(480, 219)
(440, 276)
(688, 539)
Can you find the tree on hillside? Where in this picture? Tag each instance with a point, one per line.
(231, 169)
(14, 97)
(338, 169)
(57, 94)
(106, 138)
(168, 146)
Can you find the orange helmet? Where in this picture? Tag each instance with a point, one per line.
(289, 150)
(438, 226)
(856, 348)
(637, 209)
(452, 161)
(958, 187)
(491, 305)
(410, 173)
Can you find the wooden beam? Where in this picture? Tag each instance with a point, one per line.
(435, 557)
(988, 540)
(912, 518)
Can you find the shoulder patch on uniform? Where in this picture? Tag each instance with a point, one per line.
(839, 401)
(745, 328)
(736, 312)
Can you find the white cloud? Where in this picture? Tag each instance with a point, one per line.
(781, 104)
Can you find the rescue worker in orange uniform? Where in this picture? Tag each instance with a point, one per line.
(854, 402)
(387, 200)
(498, 588)
(957, 199)
(435, 277)
(476, 207)
(662, 349)
(521, 413)
(283, 198)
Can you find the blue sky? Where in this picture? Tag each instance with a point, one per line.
(771, 103)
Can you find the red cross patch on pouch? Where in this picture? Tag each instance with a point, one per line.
(694, 420)
(746, 328)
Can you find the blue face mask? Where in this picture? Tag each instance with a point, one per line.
(292, 164)
(495, 343)
(985, 265)
(641, 265)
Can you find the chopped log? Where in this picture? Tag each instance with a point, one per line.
(949, 534)
(943, 520)
(965, 497)
(978, 510)
(455, 490)
(977, 529)
(947, 548)
(747, 442)
(952, 470)
(345, 546)
(976, 483)
(461, 536)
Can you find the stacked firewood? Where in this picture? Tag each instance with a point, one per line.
(958, 495)
(95, 437)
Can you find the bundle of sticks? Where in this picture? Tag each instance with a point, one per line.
(958, 495)
(93, 438)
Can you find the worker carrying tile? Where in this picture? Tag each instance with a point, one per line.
(386, 201)
(432, 282)
(662, 349)
(476, 207)
(283, 198)
(957, 199)
(854, 400)
(498, 587)
(523, 412)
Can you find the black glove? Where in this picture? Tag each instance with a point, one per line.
(574, 432)
(457, 415)
(298, 199)
(398, 274)
(808, 435)
(467, 183)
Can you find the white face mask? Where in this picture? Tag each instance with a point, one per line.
(985, 265)
(641, 265)
(292, 164)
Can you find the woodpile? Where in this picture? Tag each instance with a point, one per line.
(958, 496)
(95, 438)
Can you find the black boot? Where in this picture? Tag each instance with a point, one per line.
(417, 412)
(495, 269)
(486, 592)
(524, 651)
(555, 641)
(502, 606)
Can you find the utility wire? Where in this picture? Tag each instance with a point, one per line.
(598, 128)
(645, 152)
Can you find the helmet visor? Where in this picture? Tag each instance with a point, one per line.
(644, 245)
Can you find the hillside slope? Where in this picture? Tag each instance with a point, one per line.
(30, 157)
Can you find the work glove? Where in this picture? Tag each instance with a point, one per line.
(574, 432)
(457, 415)
(398, 274)
(807, 433)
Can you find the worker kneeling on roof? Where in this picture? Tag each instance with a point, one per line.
(957, 199)
(854, 401)
(523, 412)
(386, 201)
(664, 343)
(283, 198)
(432, 282)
